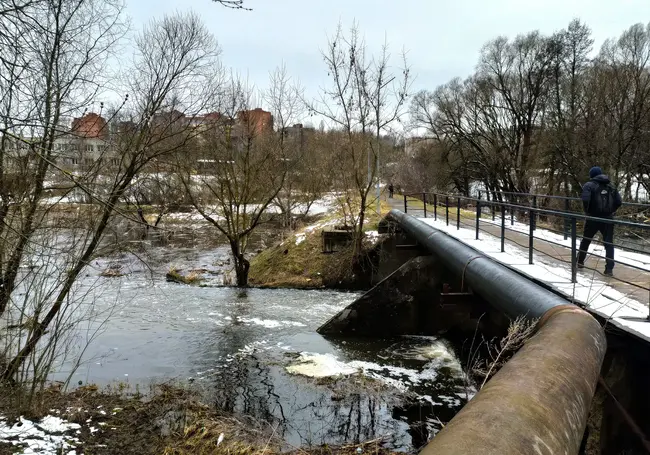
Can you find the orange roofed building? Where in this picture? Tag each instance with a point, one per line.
(257, 120)
(90, 125)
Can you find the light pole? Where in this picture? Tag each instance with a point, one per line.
(378, 184)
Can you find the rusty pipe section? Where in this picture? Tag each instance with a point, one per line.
(505, 289)
(538, 403)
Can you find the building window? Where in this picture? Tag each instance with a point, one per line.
(115, 161)
(89, 147)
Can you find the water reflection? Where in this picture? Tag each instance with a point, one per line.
(308, 412)
(237, 344)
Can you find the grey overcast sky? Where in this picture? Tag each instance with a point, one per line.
(442, 38)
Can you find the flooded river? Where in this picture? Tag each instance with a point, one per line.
(256, 352)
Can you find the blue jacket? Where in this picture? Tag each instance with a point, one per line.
(589, 191)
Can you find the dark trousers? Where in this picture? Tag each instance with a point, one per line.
(607, 231)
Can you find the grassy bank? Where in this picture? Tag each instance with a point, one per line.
(169, 421)
(299, 261)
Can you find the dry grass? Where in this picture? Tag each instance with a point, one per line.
(169, 421)
(112, 272)
(301, 266)
(304, 265)
(176, 275)
(498, 352)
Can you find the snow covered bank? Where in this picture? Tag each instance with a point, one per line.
(51, 435)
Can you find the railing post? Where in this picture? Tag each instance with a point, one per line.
(493, 214)
(512, 213)
(447, 209)
(435, 206)
(567, 222)
(530, 242)
(458, 213)
(405, 206)
(478, 214)
(424, 201)
(533, 219)
(503, 228)
(574, 253)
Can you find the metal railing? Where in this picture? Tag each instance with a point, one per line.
(628, 210)
(438, 205)
(562, 198)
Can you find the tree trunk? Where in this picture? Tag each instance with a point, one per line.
(358, 235)
(242, 265)
(241, 268)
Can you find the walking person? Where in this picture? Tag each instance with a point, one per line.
(391, 189)
(600, 199)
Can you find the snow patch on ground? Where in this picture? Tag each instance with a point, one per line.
(58, 200)
(597, 295)
(45, 437)
(326, 204)
(193, 216)
(372, 235)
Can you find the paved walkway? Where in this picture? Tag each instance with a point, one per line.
(620, 299)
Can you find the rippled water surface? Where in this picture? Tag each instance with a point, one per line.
(257, 352)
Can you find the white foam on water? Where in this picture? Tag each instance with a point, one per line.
(328, 365)
(320, 366)
(270, 323)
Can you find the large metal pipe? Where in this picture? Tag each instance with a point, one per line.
(538, 403)
(503, 288)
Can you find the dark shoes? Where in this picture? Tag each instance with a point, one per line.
(606, 272)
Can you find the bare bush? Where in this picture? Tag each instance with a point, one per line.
(498, 352)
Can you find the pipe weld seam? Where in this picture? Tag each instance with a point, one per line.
(568, 308)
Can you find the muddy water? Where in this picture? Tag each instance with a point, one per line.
(256, 352)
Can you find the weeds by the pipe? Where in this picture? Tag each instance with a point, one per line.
(498, 352)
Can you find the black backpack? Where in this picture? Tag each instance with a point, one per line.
(604, 200)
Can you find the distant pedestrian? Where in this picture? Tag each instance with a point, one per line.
(391, 189)
(600, 199)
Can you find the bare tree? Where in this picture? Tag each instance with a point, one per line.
(364, 99)
(242, 171)
(285, 100)
(172, 72)
(539, 112)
